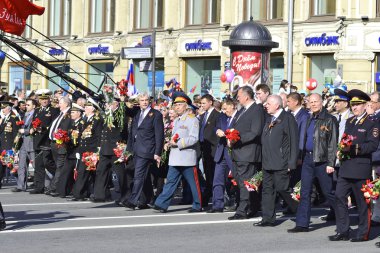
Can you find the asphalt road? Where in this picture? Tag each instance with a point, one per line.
(40, 223)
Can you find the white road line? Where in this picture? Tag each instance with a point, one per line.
(109, 217)
(47, 204)
(128, 226)
(6, 193)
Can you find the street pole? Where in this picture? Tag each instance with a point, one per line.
(154, 64)
(290, 41)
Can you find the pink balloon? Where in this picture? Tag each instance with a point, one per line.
(230, 75)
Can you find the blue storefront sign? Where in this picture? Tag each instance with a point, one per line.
(99, 50)
(56, 51)
(198, 46)
(322, 40)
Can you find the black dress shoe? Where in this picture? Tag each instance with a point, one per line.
(129, 205)
(159, 209)
(238, 217)
(3, 225)
(54, 194)
(95, 200)
(263, 224)
(377, 244)
(118, 203)
(143, 206)
(48, 192)
(359, 239)
(298, 229)
(192, 210)
(339, 237)
(75, 199)
(36, 191)
(16, 190)
(328, 217)
(217, 210)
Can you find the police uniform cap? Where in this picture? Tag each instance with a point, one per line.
(180, 97)
(358, 97)
(341, 95)
(43, 93)
(77, 108)
(4, 104)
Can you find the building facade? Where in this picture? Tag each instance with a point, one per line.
(329, 37)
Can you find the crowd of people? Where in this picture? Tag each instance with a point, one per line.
(154, 146)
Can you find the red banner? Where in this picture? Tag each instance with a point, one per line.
(13, 15)
(247, 67)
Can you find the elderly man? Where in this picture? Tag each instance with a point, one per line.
(321, 138)
(62, 122)
(26, 153)
(146, 141)
(183, 156)
(356, 170)
(41, 142)
(280, 151)
(246, 153)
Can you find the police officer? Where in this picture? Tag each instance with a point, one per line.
(41, 142)
(183, 156)
(89, 142)
(66, 180)
(356, 170)
(8, 131)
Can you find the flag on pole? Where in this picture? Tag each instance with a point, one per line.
(192, 90)
(131, 81)
(13, 15)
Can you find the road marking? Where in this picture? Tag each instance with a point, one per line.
(47, 204)
(128, 226)
(6, 193)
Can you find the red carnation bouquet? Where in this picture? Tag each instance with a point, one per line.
(7, 158)
(344, 147)
(61, 137)
(232, 135)
(36, 124)
(254, 183)
(121, 152)
(296, 194)
(20, 123)
(122, 88)
(90, 159)
(175, 138)
(371, 190)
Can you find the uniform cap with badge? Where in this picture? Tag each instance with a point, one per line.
(93, 103)
(77, 108)
(181, 97)
(4, 104)
(43, 93)
(358, 97)
(341, 95)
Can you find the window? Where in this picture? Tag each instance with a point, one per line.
(203, 75)
(59, 17)
(95, 77)
(62, 82)
(102, 16)
(323, 69)
(323, 7)
(201, 12)
(263, 10)
(149, 13)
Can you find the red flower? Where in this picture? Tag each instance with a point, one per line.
(232, 135)
(61, 137)
(90, 159)
(20, 123)
(175, 138)
(36, 123)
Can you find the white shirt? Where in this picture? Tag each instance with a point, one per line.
(277, 113)
(145, 111)
(249, 105)
(58, 122)
(297, 111)
(209, 111)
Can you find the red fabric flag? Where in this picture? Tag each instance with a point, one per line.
(13, 15)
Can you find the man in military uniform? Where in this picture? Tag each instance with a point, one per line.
(66, 180)
(89, 142)
(8, 131)
(183, 156)
(110, 135)
(356, 170)
(41, 142)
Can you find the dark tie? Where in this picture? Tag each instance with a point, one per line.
(54, 126)
(141, 118)
(229, 121)
(204, 122)
(273, 119)
(339, 118)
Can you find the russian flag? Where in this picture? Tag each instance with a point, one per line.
(131, 81)
(192, 90)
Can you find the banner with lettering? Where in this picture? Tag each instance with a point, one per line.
(13, 15)
(251, 68)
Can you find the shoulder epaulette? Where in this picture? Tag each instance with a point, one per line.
(13, 116)
(191, 115)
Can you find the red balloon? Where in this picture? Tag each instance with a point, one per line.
(223, 77)
(311, 84)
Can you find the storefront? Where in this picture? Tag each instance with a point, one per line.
(276, 71)
(19, 77)
(144, 78)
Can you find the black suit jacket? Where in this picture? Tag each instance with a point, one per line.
(250, 125)
(8, 132)
(221, 148)
(147, 139)
(90, 136)
(208, 146)
(41, 138)
(73, 146)
(280, 143)
(64, 125)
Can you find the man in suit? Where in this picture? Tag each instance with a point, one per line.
(8, 131)
(208, 141)
(66, 179)
(62, 122)
(222, 157)
(146, 141)
(110, 135)
(89, 141)
(41, 142)
(182, 157)
(356, 170)
(246, 153)
(26, 153)
(280, 151)
(321, 136)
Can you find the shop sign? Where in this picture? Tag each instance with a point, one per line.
(136, 53)
(146, 41)
(323, 40)
(198, 46)
(56, 51)
(100, 49)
